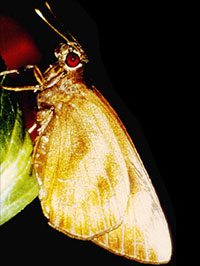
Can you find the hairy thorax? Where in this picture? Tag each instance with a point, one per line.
(50, 101)
(59, 93)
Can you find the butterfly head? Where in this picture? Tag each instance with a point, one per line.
(71, 54)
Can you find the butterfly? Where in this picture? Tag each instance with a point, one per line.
(93, 184)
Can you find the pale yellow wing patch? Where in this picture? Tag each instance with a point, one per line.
(82, 186)
(144, 234)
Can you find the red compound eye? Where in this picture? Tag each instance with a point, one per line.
(72, 59)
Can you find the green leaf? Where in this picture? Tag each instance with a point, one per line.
(18, 184)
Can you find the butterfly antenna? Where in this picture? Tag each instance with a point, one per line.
(43, 18)
(48, 6)
(50, 9)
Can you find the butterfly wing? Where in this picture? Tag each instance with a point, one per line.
(94, 185)
(144, 234)
(81, 170)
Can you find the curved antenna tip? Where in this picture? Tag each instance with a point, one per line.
(50, 25)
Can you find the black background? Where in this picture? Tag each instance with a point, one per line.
(131, 53)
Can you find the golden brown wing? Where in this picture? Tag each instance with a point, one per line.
(81, 171)
(92, 179)
(144, 234)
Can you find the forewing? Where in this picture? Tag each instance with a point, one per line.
(144, 234)
(81, 170)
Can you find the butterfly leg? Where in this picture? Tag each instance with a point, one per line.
(37, 73)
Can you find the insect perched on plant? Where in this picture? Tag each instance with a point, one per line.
(93, 184)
